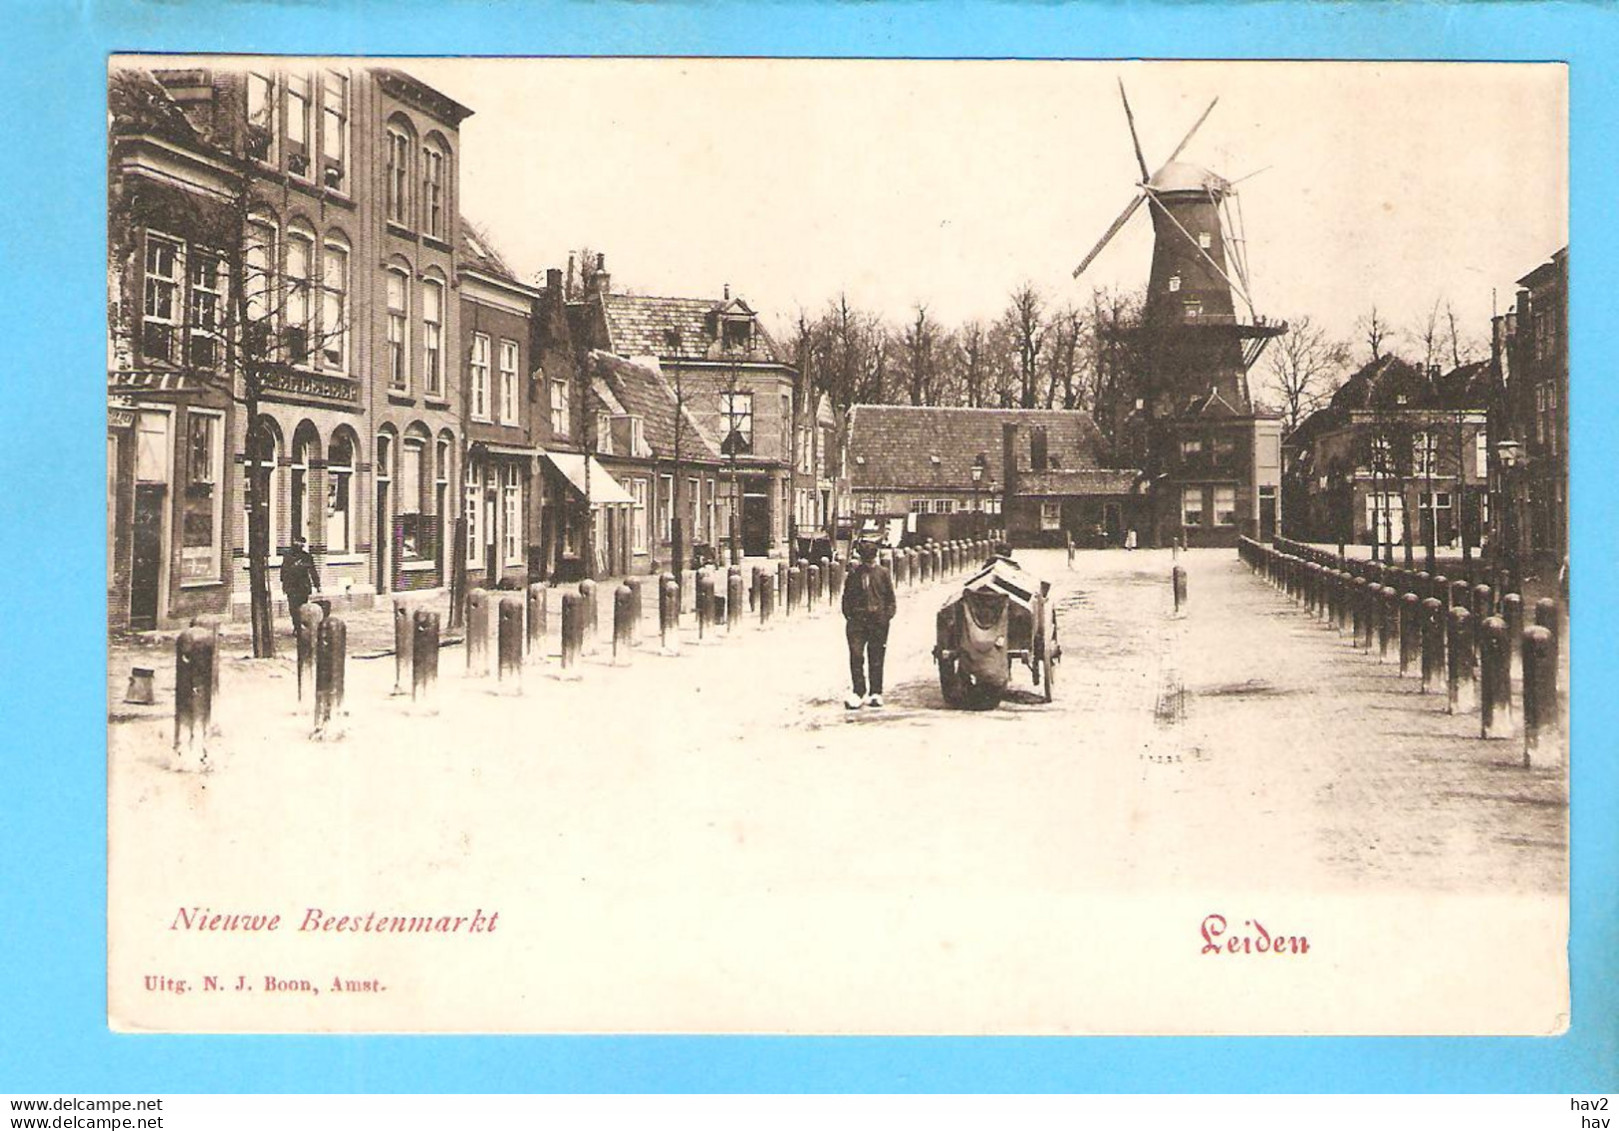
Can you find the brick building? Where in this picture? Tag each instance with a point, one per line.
(737, 384)
(1531, 421)
(1039, 474)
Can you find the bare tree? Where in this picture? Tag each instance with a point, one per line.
(921, 361)
(973, 351)
(1064, 360)
(1025, 330)
(1305, 366)
(1373, 329)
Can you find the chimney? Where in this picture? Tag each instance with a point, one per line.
(601, 282)
(553, 278)
(1037, 448)
(727, 292)
(1009, 437)
(569, 293)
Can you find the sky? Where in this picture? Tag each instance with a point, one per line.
(951, 183)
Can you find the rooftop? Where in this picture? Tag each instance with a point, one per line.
(906, 446)
(689, 329)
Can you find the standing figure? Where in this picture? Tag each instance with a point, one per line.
(299, 578)
(868, 606)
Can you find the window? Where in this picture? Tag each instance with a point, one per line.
(207, 308)
(737, 409)
(1382, 455)
(300, 495)
(300, 253)
(433, 335)
(1050, 516)
(1225, 506)
(694, 505)
(508, 383)
(1424, 454)
(340, 495)
(511, 515)
(298, 103)
(1205, 241)
(1191, 506)
(1174, 283)
(1191, 446)
(944, 506)
(398, 313)
(433, 162)
(415, 535)
(992, 505)
(1385, 516)
(918, 506)
(666, 496)
(1481, 454)
(559, 407)
(480, 377)
(334, 308)
(265, 465)
(736, 333)
(398, 177)
(202, 519)
(334, 129)
(868, 504)
(441, 492)
(160, 327)
(474, 505)
(1224, 450)
(257, 257)
(261, 116)
(638, 490)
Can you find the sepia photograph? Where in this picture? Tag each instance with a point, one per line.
(826, 546)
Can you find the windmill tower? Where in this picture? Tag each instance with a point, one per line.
(1198, 336)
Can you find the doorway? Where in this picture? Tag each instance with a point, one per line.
(146, 570)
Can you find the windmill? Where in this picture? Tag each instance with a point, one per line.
(1198, 342)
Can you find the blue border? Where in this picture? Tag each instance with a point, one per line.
(52, 831)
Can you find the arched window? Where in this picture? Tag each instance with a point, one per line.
(334, 305)
(435, 195)
(340, 456)
(401, 147)
(298, 308)
(433, 335)
(300, 489)
(398, 328)
(263, 451)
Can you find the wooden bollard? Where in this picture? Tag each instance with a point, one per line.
(767, 598)
(1440, 589)
(309, 618)
(783, 579)
(1177, 585)
(1422, 589)
(477, 640)
(1357, 611)
(1546, 616)
(193, 690)
(573, 631)
(211, 622)
(424, 657)
(1539, 690)
(795, 589)
(1433, 643)
(1459, 661)
(669, 615)
(1483, 601)
(753, 589)
(592, 617)
(634, 586)
(509, 643)
(834, 581)
(733, 599)
(403, 651)
(812, 586)
(1512, 613)
(1410, 631)
(539, 599)
(331, 658)
(1495, 679)
(1341, 590)
(1461, 595)
(705, 603)
(1388, 621)
(624, 607)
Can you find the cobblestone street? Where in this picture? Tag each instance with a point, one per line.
(1244, 746)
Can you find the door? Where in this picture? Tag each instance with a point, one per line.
(756, 525)
(146, 571)
(1112, 525)
(383, 544)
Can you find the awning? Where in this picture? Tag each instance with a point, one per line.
(485, 447)
(580, 469)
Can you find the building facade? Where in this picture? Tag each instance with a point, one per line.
(728, 373)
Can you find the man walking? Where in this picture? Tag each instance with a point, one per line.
(868, 606)
(299, 578)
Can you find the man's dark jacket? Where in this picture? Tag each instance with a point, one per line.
(869, 592)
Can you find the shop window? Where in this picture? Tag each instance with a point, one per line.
(202, 518)
(1191, 506)
(340, 495)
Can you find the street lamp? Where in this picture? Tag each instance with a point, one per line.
(1509, 457)
(978, 478)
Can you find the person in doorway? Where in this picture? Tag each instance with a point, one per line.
(868, 606)
(1130, 539)
(299, 578)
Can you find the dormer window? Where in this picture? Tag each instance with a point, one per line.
(1205, 241)
(736, 333)
(1174, 283)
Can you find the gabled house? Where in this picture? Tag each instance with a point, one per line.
(737, 384)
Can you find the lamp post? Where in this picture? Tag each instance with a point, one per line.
(978, 479)
(1509, 457)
